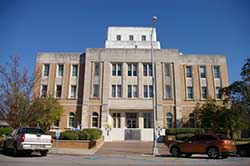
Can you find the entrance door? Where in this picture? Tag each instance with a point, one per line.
(132, 132)
(131, 120)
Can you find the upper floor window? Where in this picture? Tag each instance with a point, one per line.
(74, 70)
(168, 91)
(216, 71)
(131, 37)
(96, 69)
(204, 92)
(218, 93)
(116, 91)
(73, 91)
(96, 90)
(60, 70)
(46, 70)
(190, 92)
(118, 37)
(202, 71)
(132, 69)
(148, 91)
(58, 90)
(143, 38)
(44, 90)
(189, 71)
(167, 69)
(117, 69)
(147, 69)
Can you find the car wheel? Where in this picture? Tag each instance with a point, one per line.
(175, 152)
(213, 152)
(242, 153)
(44, 153)
(15, 151)
(188, 154)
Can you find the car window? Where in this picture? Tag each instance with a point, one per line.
(222, 136)
(194, 138)
(32, 131)
(208, 137)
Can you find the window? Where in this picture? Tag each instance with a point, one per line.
(58, 90)
(202, 71)
(191, 120)
(167, 70)
(216, 71)
(74, 70)
(96, 69)
(116, 120)
(190, 92)
(218, 93)
(168, 91)
(96, 90)
(132, 69)
(147, 69)
(135, 92)
(148, 91)
(94, 119)
(116, 91)
(44, 90)
(73, 91)
(131, 37)
(204, 92)
(143, 37)
(129, 91)
(169, 120)
(147, 119)
(116, 69)
(71, 119)
(118, 37)
(189, 71)
(60, 70)
(46, 70)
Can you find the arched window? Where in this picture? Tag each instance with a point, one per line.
(94, 119)
(191, 120)
(169, 120)
(71, 119)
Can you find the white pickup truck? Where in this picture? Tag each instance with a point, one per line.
(28, 140)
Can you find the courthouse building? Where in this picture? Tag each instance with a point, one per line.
(112, 86)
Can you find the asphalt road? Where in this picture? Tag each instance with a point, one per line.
(67, 160)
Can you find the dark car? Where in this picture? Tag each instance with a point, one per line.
(214, 145)
(243, 150)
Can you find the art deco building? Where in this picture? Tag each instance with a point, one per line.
(112, 86)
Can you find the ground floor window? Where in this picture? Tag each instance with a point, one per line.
(71, 120)
(116, 120)
(94, 119)
(169, 120)
(147, 119)
(191, 120)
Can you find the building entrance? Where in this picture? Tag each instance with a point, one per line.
(131, 120)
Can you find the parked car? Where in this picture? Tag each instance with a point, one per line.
(243, 150)
(214, 145)
(28, 140)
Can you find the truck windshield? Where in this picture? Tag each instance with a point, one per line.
(32, 131)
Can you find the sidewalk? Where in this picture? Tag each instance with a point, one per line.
(117, 148)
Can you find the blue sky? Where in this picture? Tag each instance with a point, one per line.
(192, 26)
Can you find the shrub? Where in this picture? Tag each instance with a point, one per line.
(183, 137)
(53, 134)
(5, 131)
(83, 135)
(69, 135)
(91, 134)
(176, 131)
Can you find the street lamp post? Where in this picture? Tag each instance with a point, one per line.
(155, 147)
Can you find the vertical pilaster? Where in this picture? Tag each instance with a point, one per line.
(159, 93)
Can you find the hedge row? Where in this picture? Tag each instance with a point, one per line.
(177, 131)
(85, 134)
(5, 131)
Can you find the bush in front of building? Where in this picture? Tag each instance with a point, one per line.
(5, 131)
(176, 131)
(69, 135)
(90, 134)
